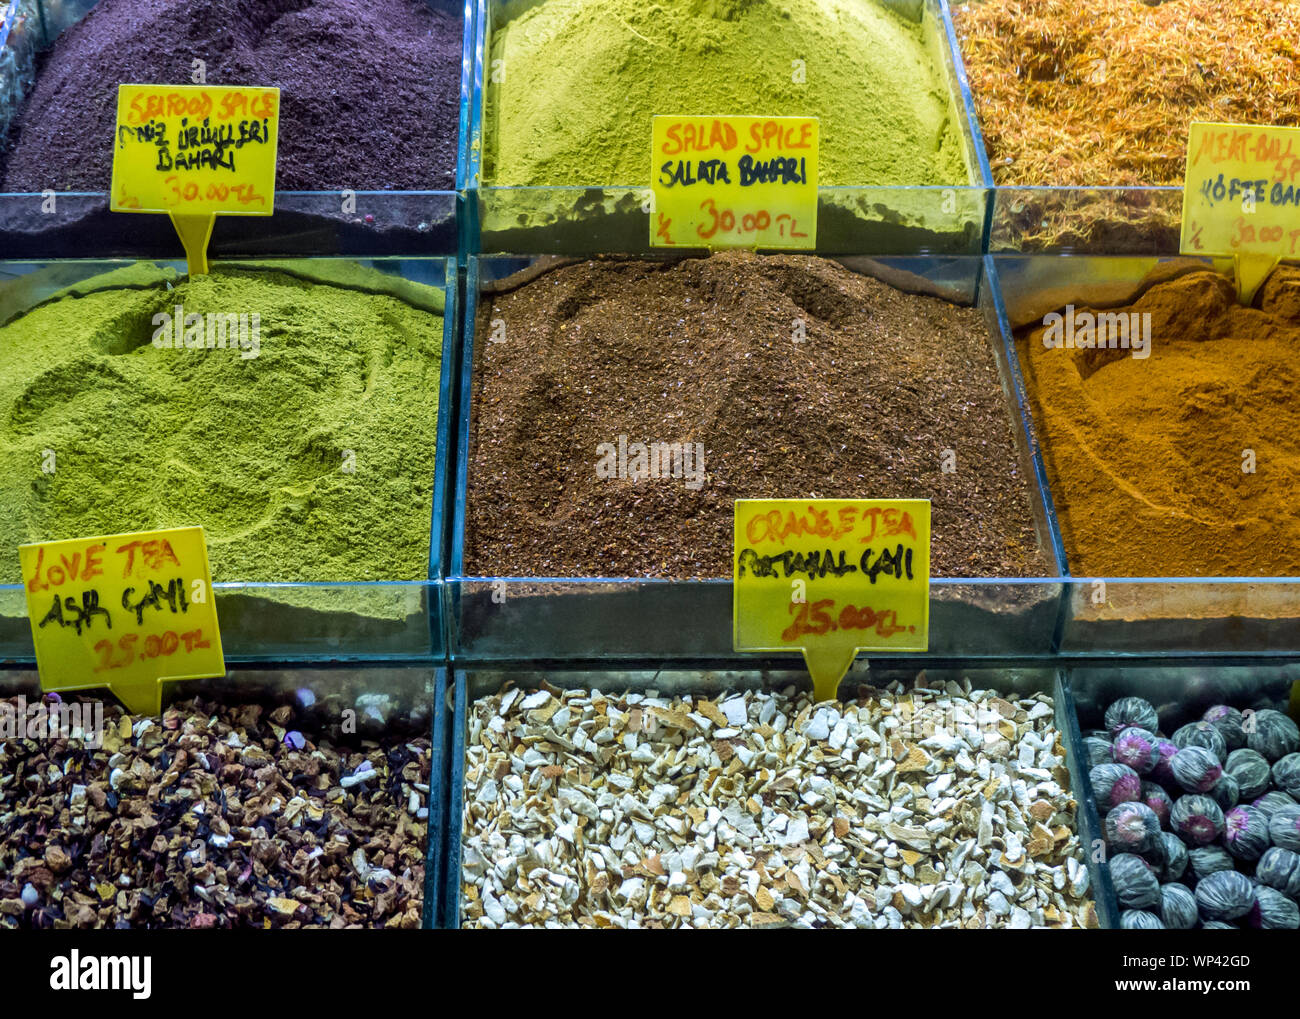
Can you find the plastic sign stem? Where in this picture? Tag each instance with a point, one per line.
(831, 578)
(195, 152)
(123, 611)
(734, 182)
(1241, 198)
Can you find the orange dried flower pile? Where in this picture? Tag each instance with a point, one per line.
(1100, 92)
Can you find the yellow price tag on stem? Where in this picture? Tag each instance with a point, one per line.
(124, 611)
(831, 577)
(734, 182)
(1241, 198)
(192, 152)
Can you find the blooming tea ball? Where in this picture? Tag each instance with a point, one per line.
(1209, 860)
(1135, 882)
(1175, 857)
(1273, 801)
(1136, 748)
(1139, 920)
(1245, 833)
(1273, 911)
(1226, 793)
(1225, 895)
(1228, 722)
(1096, 750)
(1284, 828)
(1178, 907)
(1286, 775)
(1218, 925)
(1280, 869)
(1158, 800)
(1201, 734)
(1272, 733)
(1114, 784)
(1197, 819)
(1163, 772)
(1250, 770)
(1129, 711)
(1196, 769)
(1132, 828)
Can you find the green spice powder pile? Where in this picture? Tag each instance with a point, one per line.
(253, 449)
(572, 86)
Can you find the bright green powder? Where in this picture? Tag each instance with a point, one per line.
(577, 82)
(253, 449)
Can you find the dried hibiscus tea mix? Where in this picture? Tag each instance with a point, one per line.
(229, 813)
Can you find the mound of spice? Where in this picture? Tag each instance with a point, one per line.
(576, 83)
(1104, 98)
(620, 407)
(912, 807)
(370, 91)
(299, 432)
(214, 815)
(1183, 462)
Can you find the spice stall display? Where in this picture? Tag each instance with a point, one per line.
(933, 803)
(289, 802)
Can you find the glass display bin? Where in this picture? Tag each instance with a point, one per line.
(592, 214)
(383, 344)
(267, 799)
(358, 223)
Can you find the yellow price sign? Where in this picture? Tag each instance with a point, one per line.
(1241, 198)
(734, 182)
(831, 577)
(193, 151)
(123, 611)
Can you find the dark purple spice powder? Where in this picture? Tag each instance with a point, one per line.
(370, 89)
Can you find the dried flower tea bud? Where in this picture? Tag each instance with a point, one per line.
(1140, 920)
(1207, 860)
(1201, 734)
(1135, 882)
(1226, 793)
(1136, 748)
(1273, 801)
(1096, 751)
(1286, 775)
(1250, 770)
(1175, 857)
(1129, 711)
(1158, 800)
(1273, 911)
(1225, 895)
(1132, 828)
(1280, 869)
(1178, 907)
(1196, 769)
(1114, 784)
(1284, 828)
(1197, 819)
(1228, 721)
(1272, 733)
(1245, 833)
(1163, 772)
